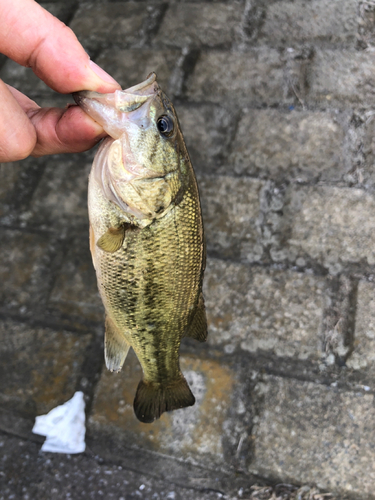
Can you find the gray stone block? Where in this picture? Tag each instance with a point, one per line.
(300, 145)
(364, 148)
(3, 60)
(132, 66)
(191, 434)
(61, 10)
(341, 78)
(339, 316)
(208, 132)
(311, 433)
(334, 226)
(60, 199)
(262, 310)
(9, 175)
(255, 76)
(28, 473)
(366, 24)
(363, 355)
(75, 292)
(99, 25)
(231, 215)
(43, 3)
(203, 24)
(23, 269)
(297, 64)
(287, 22)
(39, 367)
(18, 181)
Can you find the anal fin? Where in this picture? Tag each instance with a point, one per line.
(197, 328)
(153, 399)
(116, 347)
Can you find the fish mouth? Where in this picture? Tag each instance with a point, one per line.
(111, 110)
(143, 86)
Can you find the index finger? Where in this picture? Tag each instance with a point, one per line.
(33, 37)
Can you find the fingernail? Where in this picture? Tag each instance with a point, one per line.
(103, 75)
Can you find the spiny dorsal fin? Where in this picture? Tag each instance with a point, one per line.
(115, 347)
(113, 239)
(197, 329)
(153, 399)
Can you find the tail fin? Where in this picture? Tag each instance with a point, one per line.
(153, 399)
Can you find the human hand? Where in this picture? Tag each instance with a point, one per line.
(33, 37)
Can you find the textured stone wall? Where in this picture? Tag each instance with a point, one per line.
(275, 100)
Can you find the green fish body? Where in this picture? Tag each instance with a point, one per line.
(146, 240)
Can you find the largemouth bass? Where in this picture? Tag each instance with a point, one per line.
(146, 240)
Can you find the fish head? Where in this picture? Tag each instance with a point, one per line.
(143, 119)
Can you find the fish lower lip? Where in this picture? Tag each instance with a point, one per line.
(90, 95)
(77, 96)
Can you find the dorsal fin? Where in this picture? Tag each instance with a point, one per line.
(197, 328)
(115, 346)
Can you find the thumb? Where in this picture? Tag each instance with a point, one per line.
(42, 42)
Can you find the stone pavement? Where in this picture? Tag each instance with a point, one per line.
(275, 100)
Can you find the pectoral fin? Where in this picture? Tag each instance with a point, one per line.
(153, 399)
(197, 329)
(113, 239)
(115, 347)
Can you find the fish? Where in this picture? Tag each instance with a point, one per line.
(146, 240)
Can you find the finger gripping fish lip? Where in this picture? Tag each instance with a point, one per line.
(77, 96)
(113, 110)
(138, 89)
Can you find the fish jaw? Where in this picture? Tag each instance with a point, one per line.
(117, 112)
(138, 149)
(109, 173)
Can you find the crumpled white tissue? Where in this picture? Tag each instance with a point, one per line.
(64, 427)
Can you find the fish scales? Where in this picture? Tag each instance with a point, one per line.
(146, 240)
(151, 283)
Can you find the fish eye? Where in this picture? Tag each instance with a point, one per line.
(165, 125)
